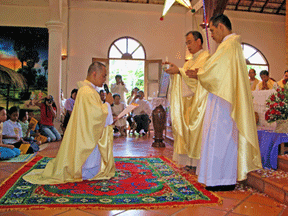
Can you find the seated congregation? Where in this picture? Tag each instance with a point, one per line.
(21, 133)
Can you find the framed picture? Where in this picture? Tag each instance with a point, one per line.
(164, 84)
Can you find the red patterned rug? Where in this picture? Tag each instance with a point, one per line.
(139, 183)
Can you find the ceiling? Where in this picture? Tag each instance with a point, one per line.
(277, 7)
(258, 6)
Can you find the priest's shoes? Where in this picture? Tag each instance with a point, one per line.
(221, 188)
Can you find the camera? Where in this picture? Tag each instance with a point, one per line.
(50, 100)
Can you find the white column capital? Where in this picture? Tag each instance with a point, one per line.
(55, 26)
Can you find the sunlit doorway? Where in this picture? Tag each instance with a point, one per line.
(127, 58)
(132, 72)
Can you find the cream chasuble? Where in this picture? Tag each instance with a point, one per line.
(187, 113)
(253, 84)
(85, 134)
(225, 75)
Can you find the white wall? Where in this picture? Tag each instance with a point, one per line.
(266, 33)
(263, 31)
(93, 26)
(27, 16)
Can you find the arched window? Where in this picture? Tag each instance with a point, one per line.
(255, 59)
(127, 58)
(126, 48)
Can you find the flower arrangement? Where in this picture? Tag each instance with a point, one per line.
(277, 105)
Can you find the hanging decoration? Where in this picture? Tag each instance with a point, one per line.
(168, 4)
(206, 25)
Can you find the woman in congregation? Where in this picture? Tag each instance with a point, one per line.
(48, 113)
(68, 107)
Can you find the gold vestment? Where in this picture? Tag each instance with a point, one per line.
(225, 75)
(187, 113)
(84, 132)
(255, 83)
(270, 84)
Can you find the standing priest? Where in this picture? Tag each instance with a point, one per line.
(188, 104)
(230, 146)
(86, 151)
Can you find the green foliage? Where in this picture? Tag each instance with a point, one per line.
(258, 69)
(132, 72)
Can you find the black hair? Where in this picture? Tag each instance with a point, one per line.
(264, 72)
(13, 109)
(196, 35)
(118, 76)
(253, 70)
(22, 114)
(221, 18)
(74, 91)
(30, 111)
(115, 95)
(101, 91)
(2, 108)
(51, 99)
(284, 73)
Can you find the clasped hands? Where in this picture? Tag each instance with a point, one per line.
(173, 69)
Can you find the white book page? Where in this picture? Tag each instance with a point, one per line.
(128, 109)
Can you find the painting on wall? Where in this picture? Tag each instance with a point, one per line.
(23, 66)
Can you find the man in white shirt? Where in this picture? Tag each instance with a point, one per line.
(141, 113)
(119, 88)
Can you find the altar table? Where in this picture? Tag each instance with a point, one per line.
(268, 143)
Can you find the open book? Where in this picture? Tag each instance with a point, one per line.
(34, 122)
(128, 109)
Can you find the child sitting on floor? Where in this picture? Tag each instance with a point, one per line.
(117, 108)
(26, 127)
(12, 133)
(6, 151)
(34, 132)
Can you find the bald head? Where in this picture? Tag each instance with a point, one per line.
(95, 66)
(97, 74)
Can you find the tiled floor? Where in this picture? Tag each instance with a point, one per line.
(235, 203)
